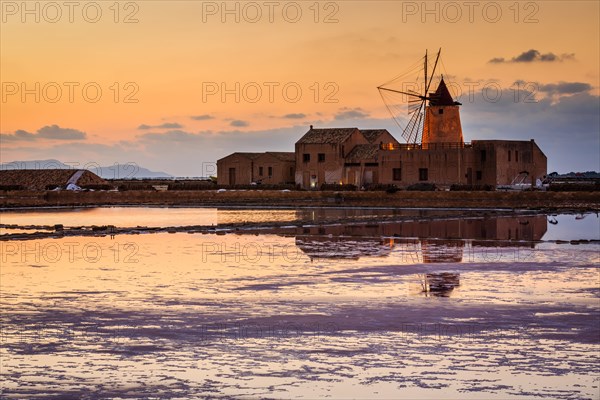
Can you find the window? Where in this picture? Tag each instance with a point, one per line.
(483, 156)
(517, 155)
(321, 157)
(441, 110)
(291, 171)
(478, 175)
(306, 157)
(423, 174)
(509, 155)
(270, 171)
(397, 174)
(260, 171)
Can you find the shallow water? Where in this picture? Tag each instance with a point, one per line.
(338, 311)
(182, 216)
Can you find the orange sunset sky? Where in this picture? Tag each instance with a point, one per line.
(159, 63)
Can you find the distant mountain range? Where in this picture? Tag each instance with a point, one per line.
(116, 171)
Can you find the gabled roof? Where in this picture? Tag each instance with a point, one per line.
(372, 134)
(250, 156)
(329, 135)
(40, 179)
(283, 155)
(442, 96)
(362, 152)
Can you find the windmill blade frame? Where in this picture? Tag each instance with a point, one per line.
(412, 131)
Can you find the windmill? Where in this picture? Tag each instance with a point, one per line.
(423, 125)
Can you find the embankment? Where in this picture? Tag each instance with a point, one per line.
(511, 200)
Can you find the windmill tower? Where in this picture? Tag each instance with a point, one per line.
(432, 117)
(442, 118)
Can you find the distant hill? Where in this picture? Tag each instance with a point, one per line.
(117, 171)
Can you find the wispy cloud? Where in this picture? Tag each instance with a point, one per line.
(350, 113)
(52, 132)
(202, 117)
(533, 56)
(294, 116)
(238, 123)
(166, 125)
(565, 88)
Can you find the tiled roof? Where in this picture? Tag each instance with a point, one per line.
(372, 134)
(251, 156)
(283, 155)
(329, 135)
(39, 179)
(362, 152)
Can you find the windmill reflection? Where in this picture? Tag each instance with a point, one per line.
(441, 242)
(440, 284)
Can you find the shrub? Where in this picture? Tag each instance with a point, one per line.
(97, 187)
(380, 187)
(473, 188)
(12, 187)
(422, 187)
(574, 187)
(337, 187)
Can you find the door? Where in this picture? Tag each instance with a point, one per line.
(314, 181)
(306, 179)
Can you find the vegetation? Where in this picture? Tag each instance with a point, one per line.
(471, 188)
(422, 187)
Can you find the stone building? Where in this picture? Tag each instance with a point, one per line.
(481, 162)
(273, 168)
(236, 169)
(374, 156)
(322, 155)
(442, 158)
(246, 168)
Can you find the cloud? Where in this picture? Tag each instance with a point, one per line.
(239, 123)
(171, 136)
(565, 88)
(24, 135)
(53, 132)
(295, 116)
(533, 56)
(565, 128)
(348, 113)
(166, 125)
(202, 117)
(56, 132)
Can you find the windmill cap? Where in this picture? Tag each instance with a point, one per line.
(442, 96)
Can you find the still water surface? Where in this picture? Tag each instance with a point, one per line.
(496, 307)
(184, 216)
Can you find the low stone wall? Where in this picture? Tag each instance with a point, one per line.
(517, 200)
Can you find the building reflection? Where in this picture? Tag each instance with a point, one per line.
(432, 241)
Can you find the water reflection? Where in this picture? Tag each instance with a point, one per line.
(433, 241)
(440, 284)
(192, 315)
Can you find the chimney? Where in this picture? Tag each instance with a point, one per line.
(311, 127)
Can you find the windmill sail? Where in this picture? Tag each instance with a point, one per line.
(405, 97)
